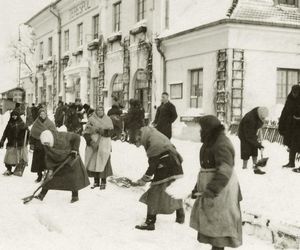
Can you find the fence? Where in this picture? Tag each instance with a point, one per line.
(269, 131)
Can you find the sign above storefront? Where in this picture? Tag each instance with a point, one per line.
(80, 8)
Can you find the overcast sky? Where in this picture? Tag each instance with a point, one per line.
(12, 13)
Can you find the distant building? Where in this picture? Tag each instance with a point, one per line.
(9, 98)
(213, 57)
(231, 56)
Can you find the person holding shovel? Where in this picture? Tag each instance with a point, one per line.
(59, 147)
(164, 168)
(247, 133)
(97, 134)
(16, 134)
(216, 214)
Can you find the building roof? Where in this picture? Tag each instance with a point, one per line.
(41, 11)
(264, 11)
(16, 88)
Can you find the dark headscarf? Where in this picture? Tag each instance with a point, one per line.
(210, 128)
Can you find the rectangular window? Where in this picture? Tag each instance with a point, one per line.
(167, 14)
(176, 91)
(41, 51)
(96, 26)
(80, 34)
(50, 46)
(66, 40)
(196, 88)
(141, 10)
(117, 16)
(288, 2)
(286, 78)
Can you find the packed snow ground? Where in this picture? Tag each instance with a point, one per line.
(106, 219)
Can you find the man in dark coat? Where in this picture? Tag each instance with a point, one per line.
(285, 126)
(134, 119)
(73, 120)
(59, 115)
(247, 133)
(115, 115)
(34, 112)
(60, 146)
(165, 115)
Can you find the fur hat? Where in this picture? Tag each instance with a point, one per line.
(47, 138)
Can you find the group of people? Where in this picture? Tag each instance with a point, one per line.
(216, 214)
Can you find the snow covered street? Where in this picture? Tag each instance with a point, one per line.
(106, 219)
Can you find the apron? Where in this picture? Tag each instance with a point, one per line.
(220, 216)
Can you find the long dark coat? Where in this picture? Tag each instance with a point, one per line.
(38, 164)
(73, 120)
(217, 219)
(59, 116)
(15, 133)
(166, 114)
(247, 134)
(72, 176)
(285, 126)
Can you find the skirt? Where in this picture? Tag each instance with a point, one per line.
(159, 201)
(14, 155)
(106, 173)
(219, 241)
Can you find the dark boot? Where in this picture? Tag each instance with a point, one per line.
(96, 182)
(41, 195)
(103, 184)
(180, 216)
(149, 224)
(217, 248)
(292, 156)
(40, 177)
(75, 196)
(8, 171)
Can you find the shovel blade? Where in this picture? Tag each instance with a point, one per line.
(27, 199)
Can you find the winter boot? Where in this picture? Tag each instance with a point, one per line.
(96, 183)
(217, 248)
(40, 177)
(7, 173)
(289, 165)
(75, 197)
(149, 224)
(180, 217)
(103, 184)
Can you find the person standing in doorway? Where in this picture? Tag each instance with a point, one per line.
(166, 114)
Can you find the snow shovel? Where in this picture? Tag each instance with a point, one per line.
(263, 160)
(30, 198)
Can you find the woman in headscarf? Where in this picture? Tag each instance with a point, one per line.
(41, 124)
(15, 133)
(216, 214)
(164, 168)
(98, 131)
(59, 148)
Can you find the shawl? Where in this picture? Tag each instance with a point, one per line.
(38, 127)
(96, 161)
(155, 143)
(95, 122)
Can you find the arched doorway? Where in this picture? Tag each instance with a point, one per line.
(141, 89)
(117, 88)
